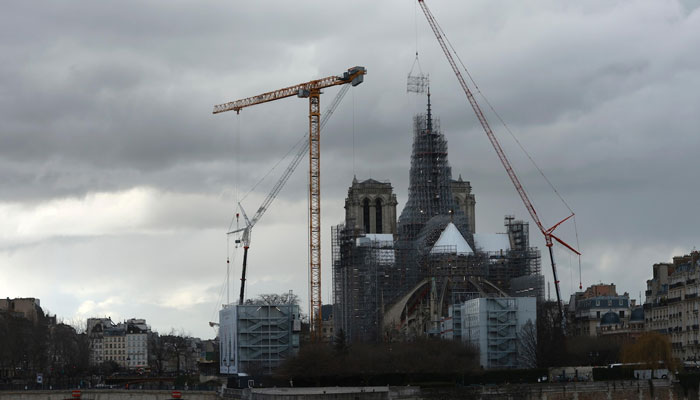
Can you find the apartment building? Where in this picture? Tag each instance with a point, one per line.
(586, 310)
(672, 304)
(125, 343)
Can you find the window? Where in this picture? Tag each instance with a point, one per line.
(365, 215)
(378, 215)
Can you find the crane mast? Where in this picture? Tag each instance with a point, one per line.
(547, 232)
(247, 230)
(312, 91)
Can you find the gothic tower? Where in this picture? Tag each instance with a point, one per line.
(465, 200)
(370, 207)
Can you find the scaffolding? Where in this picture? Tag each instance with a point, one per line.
(502, 335)
(361, 264)
(267, 336)
(430, 182)
(492, 325)
(430, 205)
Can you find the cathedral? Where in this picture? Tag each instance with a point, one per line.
(393, 279)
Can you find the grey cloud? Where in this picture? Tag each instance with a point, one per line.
(101, 97)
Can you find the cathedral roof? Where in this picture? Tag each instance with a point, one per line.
(450, 240)
(371, 181)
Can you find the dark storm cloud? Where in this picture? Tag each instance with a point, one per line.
(130, 87)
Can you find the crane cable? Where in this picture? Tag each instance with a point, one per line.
(225, 284)
(300, 142)
(353, 134)
(507, 128)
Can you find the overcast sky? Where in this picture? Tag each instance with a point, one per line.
(118, 184)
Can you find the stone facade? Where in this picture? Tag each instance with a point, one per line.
(95, 333)
(462, 192)
(587, 309)
(672, 304)
(124, 343)
(137, 343)
(28, 308)
(371, 207)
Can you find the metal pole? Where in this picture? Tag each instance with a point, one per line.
(556, 286)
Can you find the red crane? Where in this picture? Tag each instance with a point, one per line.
(547, 232)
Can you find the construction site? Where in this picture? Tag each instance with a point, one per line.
(396, 276)
(398, 283)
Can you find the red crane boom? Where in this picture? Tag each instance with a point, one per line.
(547, 232)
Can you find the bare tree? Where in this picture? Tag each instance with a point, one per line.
(527, 346)
(157, 352)
(176, 347)
(551, 343)
(79, 324)
(269, 299)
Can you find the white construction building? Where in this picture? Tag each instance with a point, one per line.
(257, 338)
(492, 325)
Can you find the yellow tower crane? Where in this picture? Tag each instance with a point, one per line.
(312, 90)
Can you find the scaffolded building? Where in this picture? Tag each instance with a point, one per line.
(387, 276)
(361, 263)
(516, 269)
(256, 338)
(492, 325)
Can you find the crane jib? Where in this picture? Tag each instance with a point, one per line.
(354, 76)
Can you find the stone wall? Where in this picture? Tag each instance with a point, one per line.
(625, 390)
(327, 393)
(105, 395)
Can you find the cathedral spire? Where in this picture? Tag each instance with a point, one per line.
(430, 181)
(430, 115)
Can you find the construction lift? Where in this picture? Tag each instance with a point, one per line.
(547, 232)
(249, 223)
(312, 91)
